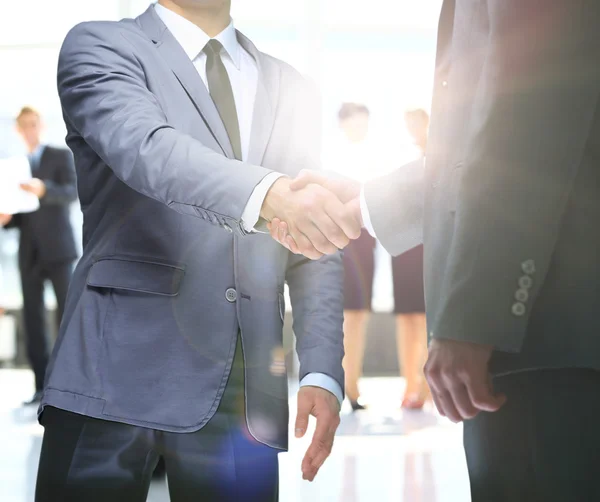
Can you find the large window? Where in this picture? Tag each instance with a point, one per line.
(378, 52)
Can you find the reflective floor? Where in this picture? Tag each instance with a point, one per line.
(380, 455)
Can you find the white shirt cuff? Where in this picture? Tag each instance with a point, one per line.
(364, 210)
(251, 213)
(324, 382)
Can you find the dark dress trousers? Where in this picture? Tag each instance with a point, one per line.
(46, 251)
(95, 460)
(511, 236)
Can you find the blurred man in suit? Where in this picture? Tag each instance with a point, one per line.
(509, 202)
(47, 246)
(171, 345)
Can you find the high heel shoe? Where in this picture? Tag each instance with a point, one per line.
(413, 402)
(356, 406)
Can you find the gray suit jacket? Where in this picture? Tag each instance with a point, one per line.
(168, 275)
(509, 199)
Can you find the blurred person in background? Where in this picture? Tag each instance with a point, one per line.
(47, 247)
(172, 341)
(409, 295)
(350, 156)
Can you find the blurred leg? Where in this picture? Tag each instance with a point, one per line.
(408, 339)
(421, 334)
(34, 320)
(355, 325)
(60, 276)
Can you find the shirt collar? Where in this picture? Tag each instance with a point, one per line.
(38, 152)
(193, 40)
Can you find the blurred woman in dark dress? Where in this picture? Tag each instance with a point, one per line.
(409, 298)
(351, 157)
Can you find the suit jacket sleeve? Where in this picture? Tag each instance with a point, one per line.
(531, 122)
(395, 204)
(62, 190)
(315, 286)
(105, 99)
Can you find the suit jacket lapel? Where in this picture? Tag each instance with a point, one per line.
(267, 96)
(186, 73)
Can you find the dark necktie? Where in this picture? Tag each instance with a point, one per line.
(221, 93)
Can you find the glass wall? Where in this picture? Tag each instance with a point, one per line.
(379, 53)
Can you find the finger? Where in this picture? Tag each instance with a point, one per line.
(305, 246)
(305, 406)
(274, 229)
(450, 411)
(343, 218)
(453, 395)
(315, 236)
(482, 395)
(26, 187)
(291, 245)
(442, 398)
(320, 447)
(462, 402)
(438, 403)
(332, 232)
(286, 239)
(307, 177)
(282, 232)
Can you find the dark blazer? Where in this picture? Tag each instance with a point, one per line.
(46, 234)
(511, 184)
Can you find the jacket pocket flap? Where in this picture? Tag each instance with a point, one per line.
(136, 275)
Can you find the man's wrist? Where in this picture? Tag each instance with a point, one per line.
(251, 216)
(274, 199)
(325, 382)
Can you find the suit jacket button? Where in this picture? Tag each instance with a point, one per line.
(528, 267)
(231, 295)
(519, 309)
(522, 295)
(525, 282)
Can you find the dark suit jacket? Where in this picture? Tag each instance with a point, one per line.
(47, 234)
(512, 182)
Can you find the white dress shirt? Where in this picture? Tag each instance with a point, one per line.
(243, 74)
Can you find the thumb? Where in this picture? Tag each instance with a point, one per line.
(306, 177)
(304, 408)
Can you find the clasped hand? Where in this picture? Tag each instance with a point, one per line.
(313, 215)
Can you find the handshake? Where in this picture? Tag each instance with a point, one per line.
(313, 215)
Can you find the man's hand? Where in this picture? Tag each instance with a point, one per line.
(35, 186)
(345, 188)
(279, 230)
(316, 219)
(460, 382)
(5, 219)
(325, 407)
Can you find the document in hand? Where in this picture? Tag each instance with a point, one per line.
(13, 200)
